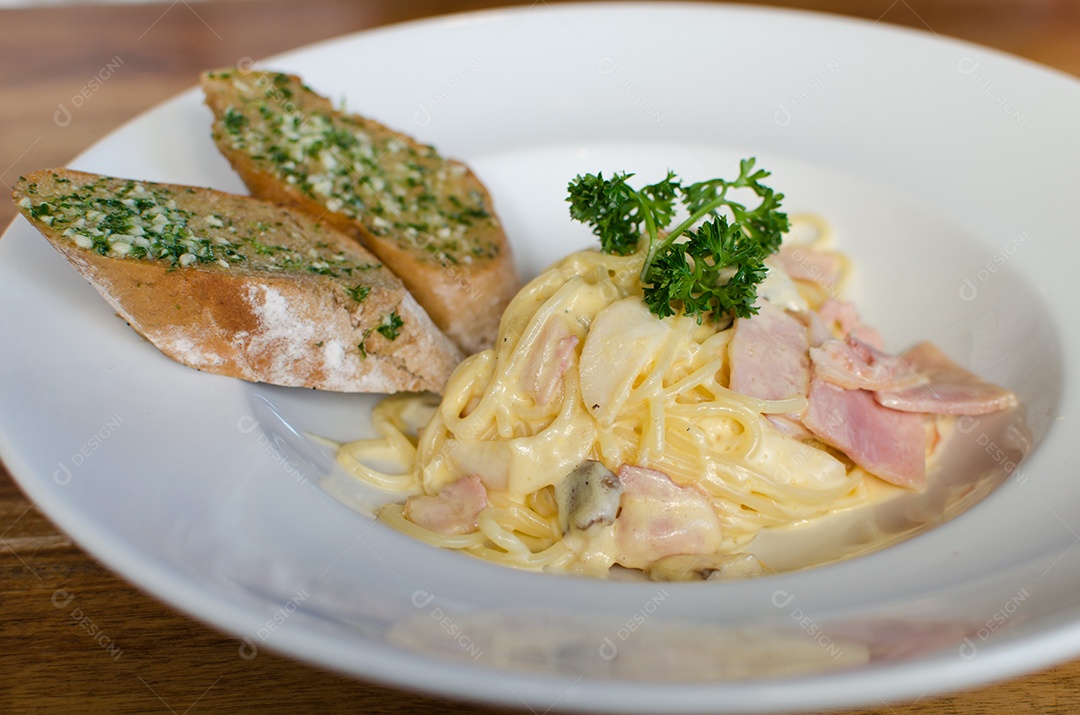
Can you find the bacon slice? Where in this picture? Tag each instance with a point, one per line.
(887, 443)
(816, 330)
(844, 321)
(948, 390)
(822, 268)
(549, 357)
(854, 365)
(768, 355)
(454, 510)
(658, 518)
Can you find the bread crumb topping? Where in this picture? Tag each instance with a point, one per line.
(128, 219)
(357, 168)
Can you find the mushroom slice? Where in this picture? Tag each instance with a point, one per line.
(588, 495)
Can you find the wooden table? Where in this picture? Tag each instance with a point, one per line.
(157, 660)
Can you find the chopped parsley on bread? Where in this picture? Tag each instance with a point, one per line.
(427, 218)
(238, 286)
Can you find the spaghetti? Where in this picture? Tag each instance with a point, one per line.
(581, 371)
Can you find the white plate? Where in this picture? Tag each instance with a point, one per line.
(950, 172)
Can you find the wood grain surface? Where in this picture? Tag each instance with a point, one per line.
(75, 637)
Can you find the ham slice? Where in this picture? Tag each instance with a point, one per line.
(843, 321)
(819, 267)
(549, 357)
(768, 355)
(887, 443)
(948, 388)
(658, 518)
(454, 510)
(854, 365)
(816, 330)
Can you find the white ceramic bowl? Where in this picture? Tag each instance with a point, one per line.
(950, 174)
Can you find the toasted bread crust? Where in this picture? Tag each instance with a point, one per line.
(460, 269)
(260, 315)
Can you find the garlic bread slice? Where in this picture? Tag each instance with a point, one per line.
(237, 286)
(428, 218)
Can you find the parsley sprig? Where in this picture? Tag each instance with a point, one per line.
(711, 268)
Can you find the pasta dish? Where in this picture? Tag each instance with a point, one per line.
(596, 437)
